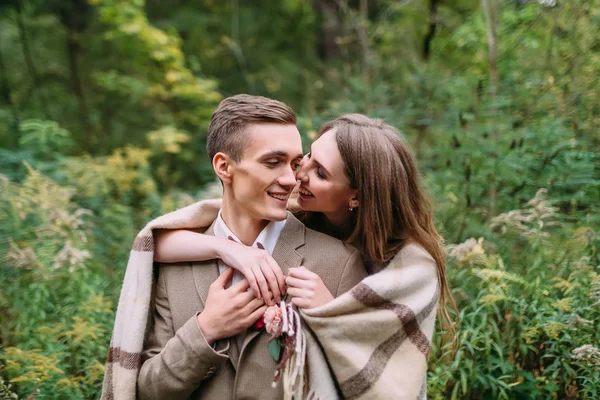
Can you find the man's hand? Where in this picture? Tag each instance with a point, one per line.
(229, 311)
(258, 267)
(307, 289)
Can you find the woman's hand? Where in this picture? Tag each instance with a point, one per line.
(260, 269)
(307, 289)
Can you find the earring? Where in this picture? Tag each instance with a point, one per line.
(350, 208)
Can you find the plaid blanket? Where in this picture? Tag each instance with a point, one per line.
(376, 337)
(134, 309)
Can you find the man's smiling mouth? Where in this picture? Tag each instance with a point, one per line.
(279, 196)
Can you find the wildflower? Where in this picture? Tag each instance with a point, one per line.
(554, 329)
(491, 298)
(21, 258)
(70, 256)
(564, 304)
(469, 250)
(596, 293)
(530, 334)
(587, 355)
(529, 222)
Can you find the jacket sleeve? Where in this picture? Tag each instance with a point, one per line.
(354, 272)
(176, 362)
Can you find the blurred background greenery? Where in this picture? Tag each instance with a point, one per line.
(104, 106)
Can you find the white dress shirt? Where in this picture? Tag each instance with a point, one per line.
(268, 238)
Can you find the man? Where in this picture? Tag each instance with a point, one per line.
(202, 343)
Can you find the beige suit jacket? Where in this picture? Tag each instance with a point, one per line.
(179, 363)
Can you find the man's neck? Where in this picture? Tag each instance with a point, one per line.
(240, 223)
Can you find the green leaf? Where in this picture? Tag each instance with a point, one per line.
(275, 349)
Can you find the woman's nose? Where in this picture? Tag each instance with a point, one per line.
(303, 161)
(301, 175)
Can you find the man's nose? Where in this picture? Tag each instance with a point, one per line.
(288, 178)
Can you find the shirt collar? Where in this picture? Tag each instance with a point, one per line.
(268, 237)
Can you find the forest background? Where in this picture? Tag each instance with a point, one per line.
(104, 106)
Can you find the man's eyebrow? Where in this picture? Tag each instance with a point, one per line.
(278, 153)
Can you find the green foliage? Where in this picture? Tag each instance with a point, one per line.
(58, 317)
(44, 138)
(104, 106)
(525, 309)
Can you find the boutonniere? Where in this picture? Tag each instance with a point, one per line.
(258, 325)
(287, 341)
(273, 322)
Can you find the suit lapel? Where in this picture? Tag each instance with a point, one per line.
(205, 273)
(291, 238)
(286, 255)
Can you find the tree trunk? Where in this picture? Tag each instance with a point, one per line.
(6, 94)
(491, 10)
(433, 23)
(330, 28)
(74, 19)
(364, 45)
(29, 60)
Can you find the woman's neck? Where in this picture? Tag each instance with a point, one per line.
(338, 226)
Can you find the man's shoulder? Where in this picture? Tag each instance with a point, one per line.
(320, 244)
(327, 246)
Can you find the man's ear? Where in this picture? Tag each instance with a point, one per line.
(222, 165)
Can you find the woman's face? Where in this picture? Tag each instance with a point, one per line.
(324, 186)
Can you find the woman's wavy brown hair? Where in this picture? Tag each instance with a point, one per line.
(394, 209)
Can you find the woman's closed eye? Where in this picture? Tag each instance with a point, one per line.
(320, 173)
(318, 170)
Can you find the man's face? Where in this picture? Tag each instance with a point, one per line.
(265, 176)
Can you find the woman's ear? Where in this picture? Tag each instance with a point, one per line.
(222, 165)
(354, 203)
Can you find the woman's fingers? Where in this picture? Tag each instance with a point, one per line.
(278, 273)
(301, 302)
(296, 283)
(271, 280)
(301, 273)
(249, 275)
(298, 292)
(262, 284)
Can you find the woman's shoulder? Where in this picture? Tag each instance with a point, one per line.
(414, 255)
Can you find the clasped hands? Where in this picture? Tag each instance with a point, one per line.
(230, 310)
(267, 281)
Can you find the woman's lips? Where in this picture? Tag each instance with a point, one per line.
(304, 193)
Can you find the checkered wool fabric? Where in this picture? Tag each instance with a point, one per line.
(134, 308)
(377, 336)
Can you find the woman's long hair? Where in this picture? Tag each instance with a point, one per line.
(393, 208)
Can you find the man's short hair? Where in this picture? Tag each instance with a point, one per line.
(228, 123)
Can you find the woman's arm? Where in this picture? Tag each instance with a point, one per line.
(258, 267)
(179, 245)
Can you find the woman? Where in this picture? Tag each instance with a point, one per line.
(360, 184)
